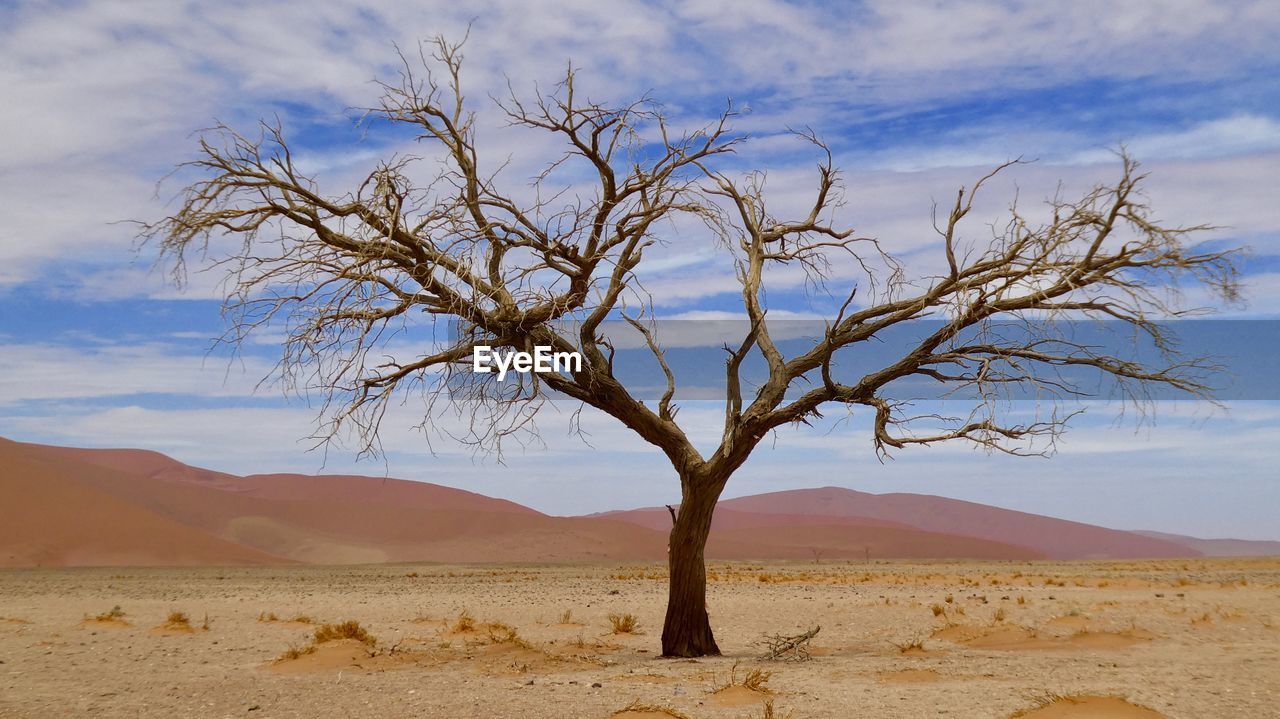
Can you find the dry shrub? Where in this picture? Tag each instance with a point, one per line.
(768, 712)
(303, 619)
(500, 633)
(916, 645)
(624, 623)
(268, 617)
(114, 614)
(465, 622)
(349, 629)
(296, 653)
(999, 615)
(938, 610)
(566, 617)
(754, 679)
(178, 619)
(640, 707)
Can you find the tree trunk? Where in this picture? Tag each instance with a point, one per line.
(687, 629)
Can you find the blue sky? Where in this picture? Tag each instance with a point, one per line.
(916, 99)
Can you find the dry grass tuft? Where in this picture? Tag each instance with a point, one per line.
(113, 615)
(754, 679)
(303, 619)
(640, 707)
(465, 622)
(914, 645)
(624, 623)
(296, 653)
(501, 633)
(268, 617)
(349, 629)
(566, 617)
(939, 610)
(178, 619)
(768, 712)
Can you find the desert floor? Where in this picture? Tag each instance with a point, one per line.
(1189, 639)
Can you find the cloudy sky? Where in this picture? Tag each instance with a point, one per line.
(102, 99)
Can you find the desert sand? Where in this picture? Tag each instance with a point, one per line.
(1184, 639)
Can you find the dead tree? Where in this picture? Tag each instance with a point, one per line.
(343, 272)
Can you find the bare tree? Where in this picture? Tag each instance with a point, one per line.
(343, 273)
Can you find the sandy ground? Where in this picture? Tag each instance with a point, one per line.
(1187, 639)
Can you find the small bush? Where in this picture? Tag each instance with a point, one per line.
(913, 645)
(296, 652)
(500, 633)
(303, 619)
(350, 629)
(754, 679)
(624, 623)
(178, 619)
(465, 622)
(115, 614)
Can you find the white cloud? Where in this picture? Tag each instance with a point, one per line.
(105, 94)
(48, 372)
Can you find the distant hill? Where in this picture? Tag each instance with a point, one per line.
(69, 506)
(93, 507)
(1043, 536)
(1221, 547)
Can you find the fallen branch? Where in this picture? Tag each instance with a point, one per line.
(793, 648)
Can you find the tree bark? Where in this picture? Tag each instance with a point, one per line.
(686, 632)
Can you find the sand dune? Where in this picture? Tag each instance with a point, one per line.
(66, 506)
(1220, 547)
(50, 516)
(285, 518)
(1042, 536)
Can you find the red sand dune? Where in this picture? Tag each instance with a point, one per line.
(326, 519)
(1043, 536)
(48, 516)
(104, 506)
